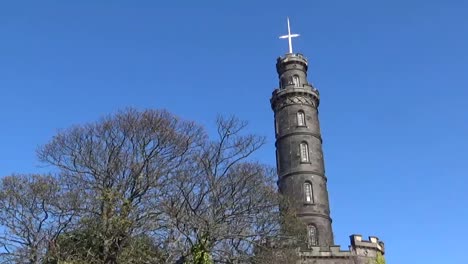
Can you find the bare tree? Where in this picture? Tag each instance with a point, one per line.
(34, 211)
(152, 189)
(222, 206)
(120, 164)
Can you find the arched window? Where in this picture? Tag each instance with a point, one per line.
(308, 193)
(304, 148)
(300, 118)
(312, 236)
(295, 80)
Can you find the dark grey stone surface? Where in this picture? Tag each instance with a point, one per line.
(295, 94)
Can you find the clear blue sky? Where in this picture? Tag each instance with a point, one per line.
(393, 77)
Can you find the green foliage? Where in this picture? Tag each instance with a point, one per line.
(141, 250)
(380, 259)
(201, 253)
(86, 246)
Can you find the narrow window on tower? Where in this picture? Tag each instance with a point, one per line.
(312, 236)
(276, 126)
(304, 148)
(296, 80)
(277, 162)
(300, 118)
(308, 193)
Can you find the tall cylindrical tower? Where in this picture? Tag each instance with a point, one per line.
(299, 152)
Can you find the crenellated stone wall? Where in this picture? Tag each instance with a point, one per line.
(360, 252)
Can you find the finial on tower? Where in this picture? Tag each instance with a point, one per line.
(289, 36)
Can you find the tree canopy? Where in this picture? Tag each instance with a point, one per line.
(143, 187)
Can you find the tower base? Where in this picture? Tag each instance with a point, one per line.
(288, 251)
(360, 252)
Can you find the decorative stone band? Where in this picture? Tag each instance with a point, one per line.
(315, 135)
(294, 96)
(296, 172)
(316, 215)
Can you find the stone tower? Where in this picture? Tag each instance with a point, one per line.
(301, 169)
(299, 152)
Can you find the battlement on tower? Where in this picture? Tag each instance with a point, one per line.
(327, 252)
(372, 243)
(292, 61)
(360, 251)
(289, 57)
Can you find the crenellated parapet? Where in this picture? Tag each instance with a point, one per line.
(333, 252)
(366, 248)
(360, 251)
(292, 62)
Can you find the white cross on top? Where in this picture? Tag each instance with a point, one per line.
(289, 36)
